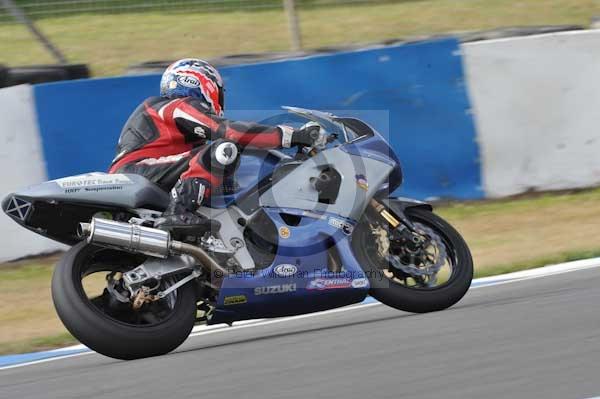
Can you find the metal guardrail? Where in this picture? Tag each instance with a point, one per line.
(54, 8)
(27, 12)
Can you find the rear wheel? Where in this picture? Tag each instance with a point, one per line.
(421, 278)
(112, 327)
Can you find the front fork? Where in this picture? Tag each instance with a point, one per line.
(395, 219)
(400, 224)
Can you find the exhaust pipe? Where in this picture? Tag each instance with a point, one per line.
(130, 237)
(144, 240)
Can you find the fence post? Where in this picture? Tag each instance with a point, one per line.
(293, 24)
(20, 16)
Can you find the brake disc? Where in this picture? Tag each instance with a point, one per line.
(431, 268)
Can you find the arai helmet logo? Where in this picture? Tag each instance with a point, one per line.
(285, 270)
(188, 81)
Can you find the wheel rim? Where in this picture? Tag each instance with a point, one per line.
(90, 279)
(446, 274)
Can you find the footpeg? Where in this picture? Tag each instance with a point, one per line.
(216, 245)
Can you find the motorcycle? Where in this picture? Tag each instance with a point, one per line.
(300, 233)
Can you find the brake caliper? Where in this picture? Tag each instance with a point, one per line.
(382, 240)
(143, 296)
(421, 255)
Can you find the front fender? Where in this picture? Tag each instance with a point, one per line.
(401, 204)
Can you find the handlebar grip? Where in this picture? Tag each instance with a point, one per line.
(315, 132)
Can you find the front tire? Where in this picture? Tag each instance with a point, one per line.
(417, 299)
(110, 336)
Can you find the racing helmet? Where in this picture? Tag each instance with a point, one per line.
(192, 77)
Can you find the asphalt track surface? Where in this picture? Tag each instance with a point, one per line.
(537, 338)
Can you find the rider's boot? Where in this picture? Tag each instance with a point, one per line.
(180, 218)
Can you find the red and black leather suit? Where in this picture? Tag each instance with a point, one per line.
(165, 140)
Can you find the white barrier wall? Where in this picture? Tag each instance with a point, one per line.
(21, 164)
(536, 103)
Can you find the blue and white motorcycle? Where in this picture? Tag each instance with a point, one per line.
(299, 233)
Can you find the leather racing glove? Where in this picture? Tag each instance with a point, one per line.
(309, 135)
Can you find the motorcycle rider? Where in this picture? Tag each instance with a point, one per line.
(166, 140)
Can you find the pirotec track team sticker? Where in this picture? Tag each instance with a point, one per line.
(93, 180)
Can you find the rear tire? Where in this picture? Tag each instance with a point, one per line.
(105, 334)
(419, 300)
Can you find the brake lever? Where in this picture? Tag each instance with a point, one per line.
(311, 151)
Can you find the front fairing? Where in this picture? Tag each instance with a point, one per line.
(260, 169)
(376, 147)
(355, 137)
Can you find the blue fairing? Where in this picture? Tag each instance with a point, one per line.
(310, 289)
(307, 241)
(376, 147)
(254, 166)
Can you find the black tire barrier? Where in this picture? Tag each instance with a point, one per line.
(77, 71)
(46, 73)
(148, 67)
(516, 31)
(238, 59)
(3, 76)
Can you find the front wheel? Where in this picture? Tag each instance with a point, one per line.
(415, 279)
(108, 326)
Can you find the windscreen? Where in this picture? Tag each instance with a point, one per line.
(345, 128)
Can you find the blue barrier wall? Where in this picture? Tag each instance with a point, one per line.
(421, 85)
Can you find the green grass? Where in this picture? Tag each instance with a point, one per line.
(15, 273)
(527, 202)
(38, 344)
(532, 230)
(109, 43)
(538, 262)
